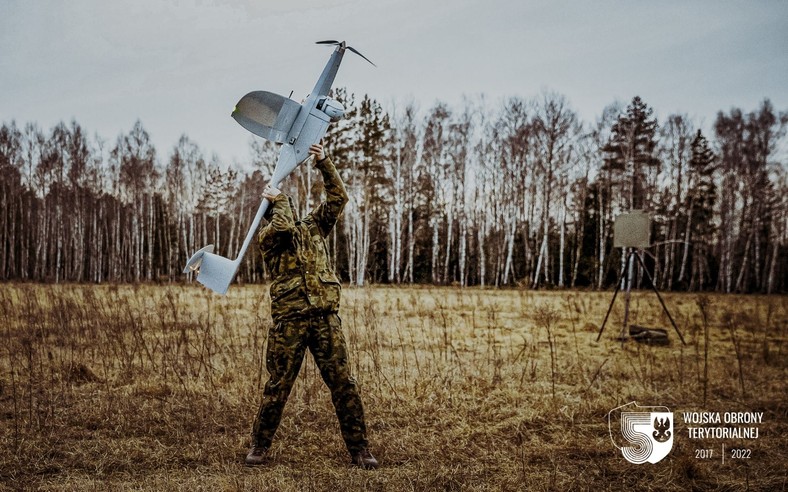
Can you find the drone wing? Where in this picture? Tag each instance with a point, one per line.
(266, 114)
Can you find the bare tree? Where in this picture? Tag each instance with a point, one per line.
(431, 179)
(10, 194)
(675, 147)
(403, 179)
(556, 129)
(138, 175)
(747, 145)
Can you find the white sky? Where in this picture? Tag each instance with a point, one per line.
(180, 66)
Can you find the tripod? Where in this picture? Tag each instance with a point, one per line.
(636, 253)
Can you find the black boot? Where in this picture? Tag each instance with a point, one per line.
(256, 455)
(364, 459)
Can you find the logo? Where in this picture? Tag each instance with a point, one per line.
(641, 433)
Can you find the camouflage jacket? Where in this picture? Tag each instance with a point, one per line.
(296, 254)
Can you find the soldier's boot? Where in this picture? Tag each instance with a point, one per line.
(256, 455)
(364, 459)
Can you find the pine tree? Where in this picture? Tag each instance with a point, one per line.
(631, 151)
(699, 207)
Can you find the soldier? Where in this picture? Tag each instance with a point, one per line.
(304, 303)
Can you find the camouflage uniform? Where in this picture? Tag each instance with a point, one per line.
(304, 302)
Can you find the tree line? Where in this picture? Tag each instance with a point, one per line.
(516, 193)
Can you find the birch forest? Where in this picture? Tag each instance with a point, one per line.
(517, 192)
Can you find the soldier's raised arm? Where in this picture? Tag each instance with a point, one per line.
(281, 223)
(327, 213)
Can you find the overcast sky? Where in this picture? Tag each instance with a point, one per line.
(180, 66)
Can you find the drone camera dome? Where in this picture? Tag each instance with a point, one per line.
(332, 108)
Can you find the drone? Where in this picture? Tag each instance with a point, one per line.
(283, 121)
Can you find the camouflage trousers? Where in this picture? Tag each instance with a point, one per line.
(287, 344)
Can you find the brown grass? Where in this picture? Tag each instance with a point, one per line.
(128, 388)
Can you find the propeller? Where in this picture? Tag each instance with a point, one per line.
(343, 45)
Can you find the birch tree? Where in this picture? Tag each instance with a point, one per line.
(555, 130)
(401, 220)
(138, 176)
(675, 148)
(10, 195)
(431, 180)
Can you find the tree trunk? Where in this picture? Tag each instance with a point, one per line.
(463, 243)
(744, 265)
(4, 237)
(509, 241)
(562, 241)
(601, 244)
(411, 246)
(59, 238)
(435, 249)
(482, 256)
(449, 234)
(687, 241)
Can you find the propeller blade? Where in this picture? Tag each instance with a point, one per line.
(331, 41)
(362, 56)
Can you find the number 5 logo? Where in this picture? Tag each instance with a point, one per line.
(647, 432)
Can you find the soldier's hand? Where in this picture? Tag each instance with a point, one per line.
(270, 193)
(317, 151)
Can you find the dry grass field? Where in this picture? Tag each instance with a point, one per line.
(155, 387)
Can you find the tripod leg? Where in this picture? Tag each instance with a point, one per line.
(618, 287)
(629, 264)
(664, 307)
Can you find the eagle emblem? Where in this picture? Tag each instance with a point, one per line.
(661, 429)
